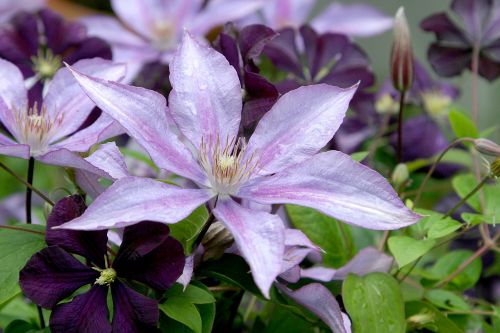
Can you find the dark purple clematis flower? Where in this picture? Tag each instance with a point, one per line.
(241, 48)
(452, 52)
(38, 43)
(147, 255)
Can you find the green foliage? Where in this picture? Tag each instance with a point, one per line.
(374, 303)
(462, 125)
(331, 235)
(448, 263)
(406, 249)
(422, 315)
(188, 229)
(16, 247)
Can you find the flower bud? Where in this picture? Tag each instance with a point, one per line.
(216, 241)
(401, 53)
(400, 174)
(487, 147)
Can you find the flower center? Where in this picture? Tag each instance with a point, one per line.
(34, 128)
(164, 35)
(226, 165)
(436, 103)
(107, 277)
(46, 64)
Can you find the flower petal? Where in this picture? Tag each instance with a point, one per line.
(52, 275)
(11, 148)
(334, 184)
(319, 300)
(86, 313)
(300, 123)
(358, 20)
(206, 98)
(109, 158)
(147, 254)
(134, 199)
(66, 158)
(259, 237)
(367, 260)
(89, 244)
(133, 312)
(143, 113)
(66, 99)
(13, 95)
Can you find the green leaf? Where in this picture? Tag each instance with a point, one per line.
(359, 156)
(421, 315)
(475, 219)
(331, 235)
(374, 303)
(462, 125)
(193, 294)
(188, 229)
(463, 184)
(448, 263)
(138, 156)
(406, 249)
(284, 321)
(16, 248)
(446, 299)
(183, 311)
(207, 313)
(19, 326)
(443, 227)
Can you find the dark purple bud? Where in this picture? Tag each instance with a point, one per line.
(401, 53)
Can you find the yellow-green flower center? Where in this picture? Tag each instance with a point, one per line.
(46, 64)
(107, 277)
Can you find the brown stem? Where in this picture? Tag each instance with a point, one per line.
(464, 199)
(400, 126)
(11, 227)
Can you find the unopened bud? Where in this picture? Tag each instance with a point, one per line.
(216, 241)
(495, 168)
(401, 53)
(400, 174)
(487, 147)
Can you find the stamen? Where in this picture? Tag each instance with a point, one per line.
(164, 35)
(226, 164)
(46, 64)
(107, 276)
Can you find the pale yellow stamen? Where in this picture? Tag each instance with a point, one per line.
(107, 276)
(46, 64)
(436, 103)
(164, 35)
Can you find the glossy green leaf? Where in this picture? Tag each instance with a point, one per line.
(183, 311)
(462, 125)
(207, 313)
(475, 219)
(446, 299)
(463, 184)
(359, 156)
(406, 249)
(374, 303)
(443, 227)
(188, 229)
(448, 263)
(422, 315)
(192, 293)
(16, 248)
(331, 235)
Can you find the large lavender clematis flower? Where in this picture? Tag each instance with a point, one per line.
(38, 43)
(147, 254)
(9, 8)
(357, 19)
(150, 30)
(280, 163)
(46, 131)
(452, 53)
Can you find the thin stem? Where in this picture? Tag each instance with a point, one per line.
(475, 70)
(251, 305)
(464, 199)
(481, 251)
(381, 245)
(400, 125)
(40, 316)
(434, 166)
(29, 192)
(203, 232)
(11, 227)
(19, 178)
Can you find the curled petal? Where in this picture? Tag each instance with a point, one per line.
(260, 239)
(133, 199)
(334, 184)
(109, 158)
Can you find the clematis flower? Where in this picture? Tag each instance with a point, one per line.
(147, 255)
(38, 43)
(452, 52)
(9, 8)
(358, 19)
(241, 48)
(149, 30)
(46, 131)
(281, 162)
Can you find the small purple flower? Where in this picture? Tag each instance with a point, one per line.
(39, 43)
(147, 255)
(452, 52)
(149, 30)
(241, 48)
(280, 164)
(9, 8)
(356, 20)
(46, 131)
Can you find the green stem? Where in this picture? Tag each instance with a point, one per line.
(10, 227)
(464, 199)
(400, 125)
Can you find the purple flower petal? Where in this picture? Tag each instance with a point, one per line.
(10, 148)
(143, 113)
(359, 20)
(367, 260)
(52, 275)
(133, 199)
(133, 312)
(259, 237)
(9, 8)
(448, 61)
(253, 39)
(66, 99)
(147, 254)
(109, 158)
(13, 95)
(89, 244)
(86, 313)
(301, 123)
(473, 13)
(319, 300)
(261, 94)
(334, 184)
(283, 52)
(206, 98)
